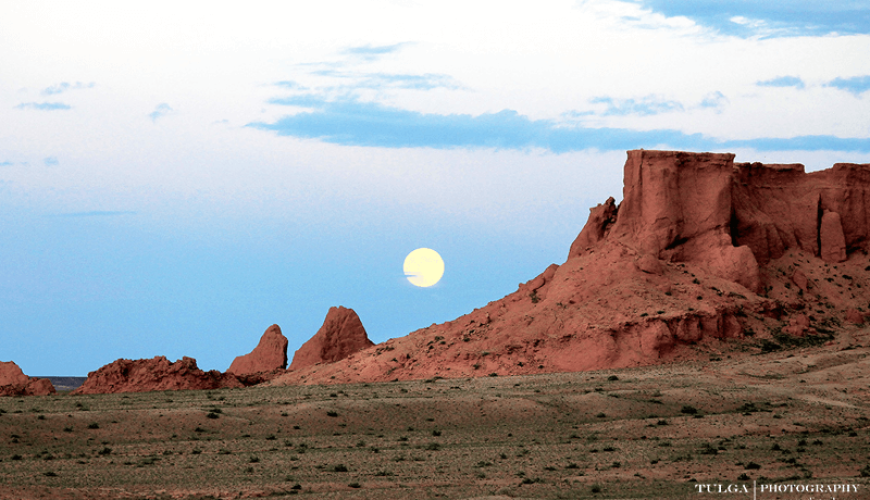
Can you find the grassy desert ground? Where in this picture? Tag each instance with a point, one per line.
(797, 415)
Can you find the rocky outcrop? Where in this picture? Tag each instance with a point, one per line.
(13, 382)
(269, 355)
(341, 335)
(601, 219)
(156, 374)
(701, 251)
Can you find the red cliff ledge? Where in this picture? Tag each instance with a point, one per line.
(702, 252)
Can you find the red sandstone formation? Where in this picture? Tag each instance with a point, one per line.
(269, 355)
(699, 252)
(341, 335)
(13, 382)
(157, 374)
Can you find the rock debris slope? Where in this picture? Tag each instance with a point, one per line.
(702, 256)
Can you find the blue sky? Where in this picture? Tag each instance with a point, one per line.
(174, 184)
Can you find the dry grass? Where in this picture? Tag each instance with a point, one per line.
(794, 415)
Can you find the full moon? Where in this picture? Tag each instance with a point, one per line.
(424, 267)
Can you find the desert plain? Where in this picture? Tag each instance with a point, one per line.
(749, 414)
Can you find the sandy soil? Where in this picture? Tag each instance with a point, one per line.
(795, 416)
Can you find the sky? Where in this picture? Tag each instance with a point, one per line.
(175, 177)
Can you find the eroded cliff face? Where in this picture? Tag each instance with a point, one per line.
(700, 252)
(778, 207)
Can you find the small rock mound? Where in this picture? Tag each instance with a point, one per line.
(13, 382)
(341, 335)
(156, 374)
(269, 355)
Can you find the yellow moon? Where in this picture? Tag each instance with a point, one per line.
(424, 267)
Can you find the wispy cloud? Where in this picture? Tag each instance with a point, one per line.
(645, 106)
(97, 213)
(370, 124)
(5, 163)
(289, 84)
(782, 81)
(160, 110)
(361, 80)
(372, 52)
(748, 18)
(856, 85)
(714, 100)
(44, 106)
(65, 86)
(50, 161)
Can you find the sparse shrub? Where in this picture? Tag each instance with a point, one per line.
(355, 485)
(332, 413)
(93, 425)
(612, 378)
(105, 451)
(436, 433)
(689, 410)
(708, 449)
(67, 429)
(752, 466)
(743, 477)
(339, 468)
(254, 460)
(212, 415)
(49, 474)
(595, 488)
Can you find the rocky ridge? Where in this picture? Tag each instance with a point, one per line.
(702, 252)
(156, 374)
